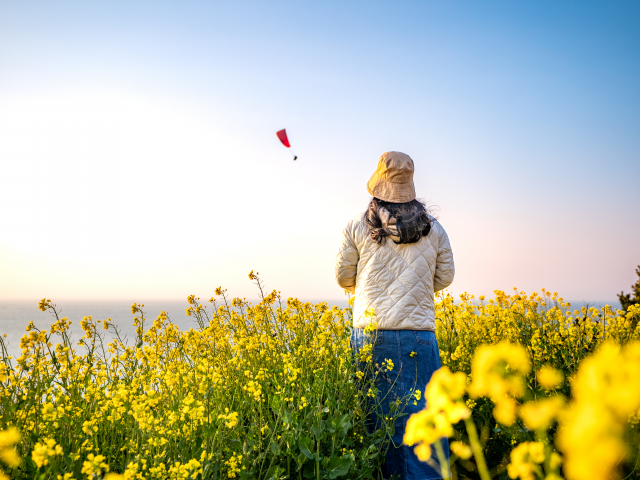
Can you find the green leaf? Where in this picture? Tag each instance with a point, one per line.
(274, 472)
(307, 445)
(316, 433)
(286, 417)
(309, 470)
(275, 448)
(32, 468)
(370, 453)
(339, 466)
(341, 424)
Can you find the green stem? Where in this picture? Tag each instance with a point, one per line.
(444, 462)
(476, 448)
(318, 451)
(541, 436)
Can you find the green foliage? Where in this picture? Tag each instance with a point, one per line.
(627, 300)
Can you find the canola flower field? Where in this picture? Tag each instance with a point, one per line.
(529, 389)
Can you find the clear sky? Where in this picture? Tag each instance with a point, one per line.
(138, 156)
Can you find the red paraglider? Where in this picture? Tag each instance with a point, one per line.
(282, 135)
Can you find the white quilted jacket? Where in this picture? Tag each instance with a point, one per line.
(397, 280)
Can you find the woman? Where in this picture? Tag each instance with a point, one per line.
(394, 258)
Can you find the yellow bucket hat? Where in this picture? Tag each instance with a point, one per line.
(393, 179)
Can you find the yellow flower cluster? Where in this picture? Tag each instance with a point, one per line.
(388, 364)
(543, 323)
(554, 337)
(44, 451)
(525, 461)
(94, 465)
(605, 394)
(605, 391)
(549, 378)
(268, 379)
(444, 408)
(231, 418)
(249, 378)
(8, 454)
(233, 465)
(499, 372)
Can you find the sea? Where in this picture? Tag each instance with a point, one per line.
(16, 315)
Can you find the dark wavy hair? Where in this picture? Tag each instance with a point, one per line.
(412, 220)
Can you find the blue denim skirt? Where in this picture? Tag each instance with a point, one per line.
(409, 373)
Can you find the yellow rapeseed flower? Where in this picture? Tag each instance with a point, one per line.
(93, 465)
(498, 372)
(444, 409)
(8, 439)
(525, 461)
(540, 414)
(388, 363)
(43, 452)
(114, 476)
(605, 392)
(549, 378)
(461, 449)
(231, 419)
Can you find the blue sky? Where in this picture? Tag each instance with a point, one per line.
(146, 131)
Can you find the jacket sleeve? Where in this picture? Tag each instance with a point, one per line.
(347, 261)
(445, 269)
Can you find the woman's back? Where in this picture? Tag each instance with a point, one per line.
(397, 280)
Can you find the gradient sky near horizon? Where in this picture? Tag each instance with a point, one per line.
(138, 156)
